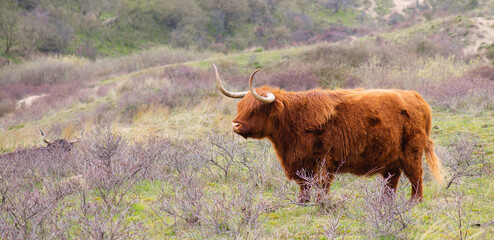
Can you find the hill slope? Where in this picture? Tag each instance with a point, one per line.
(114, 27)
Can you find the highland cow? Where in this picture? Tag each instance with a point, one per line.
(325, 132)
(52, 146)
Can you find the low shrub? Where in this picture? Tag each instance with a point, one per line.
(464, 158)
(293, 80)
(353, 55)
(469, 92)
(43, 71)
(31, 188)
(485, 72)
(206, 211)
(384, 213)
(6, 108)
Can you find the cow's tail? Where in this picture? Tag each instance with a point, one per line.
(433, 161)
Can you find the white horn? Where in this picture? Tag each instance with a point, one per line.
(223, 90)
(268, 99)
(77, 140)
(43, 135)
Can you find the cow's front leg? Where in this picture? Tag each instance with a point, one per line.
(305, 179)
(325, 175)
(304, 192)
(324, 182)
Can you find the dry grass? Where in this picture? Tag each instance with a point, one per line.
(68, 80)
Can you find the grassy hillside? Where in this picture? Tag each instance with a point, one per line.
(158, 160)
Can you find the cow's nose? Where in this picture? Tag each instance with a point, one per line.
(235, 125)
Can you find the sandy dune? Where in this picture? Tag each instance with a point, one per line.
(28, 101)
(400, 5)
(481, 34)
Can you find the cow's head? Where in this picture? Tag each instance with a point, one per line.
(59, 144)
(257, 112)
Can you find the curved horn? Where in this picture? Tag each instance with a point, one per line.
(224, 91)
(43, 135)
(268, 99)
(77, 140)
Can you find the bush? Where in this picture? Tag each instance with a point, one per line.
(195, 202)
(111, 167)
(485, 72)
(442, 44)
(6, 108)
(385, 214)
(352, 55)
(32, 188)
(88, 191)
(175, 87)
(294, 80)
(208, 211)
(464, 158)
(466, 93)
(43, 71)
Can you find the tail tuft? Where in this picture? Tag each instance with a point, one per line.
(433, 161)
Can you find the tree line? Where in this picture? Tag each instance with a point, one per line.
(93, 28)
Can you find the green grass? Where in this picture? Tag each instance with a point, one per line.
(16, 127)
(346, 17)
(243, 59)
(420, 29)
(490, 52)
(448, 124)
(383, 7)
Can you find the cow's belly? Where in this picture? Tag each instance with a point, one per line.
(371, 160)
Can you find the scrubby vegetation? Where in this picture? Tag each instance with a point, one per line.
(158, 159)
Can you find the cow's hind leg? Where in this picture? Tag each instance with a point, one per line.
(412, 164)
(392, 175)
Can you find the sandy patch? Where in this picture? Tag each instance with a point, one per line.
(481, 34)
(401, 5)
(28, 101)
(373, 8)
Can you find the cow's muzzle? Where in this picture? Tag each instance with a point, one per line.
(239, 128)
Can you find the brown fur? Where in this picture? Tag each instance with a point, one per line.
(55, 145)
(363, 132)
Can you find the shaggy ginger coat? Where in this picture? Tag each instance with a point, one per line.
(362, 132)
